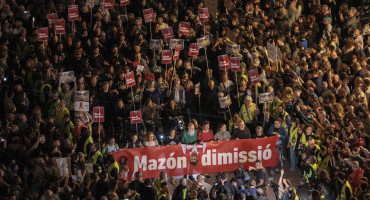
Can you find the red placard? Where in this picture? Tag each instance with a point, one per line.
(43, 34)
(203, 14)
(235, 64)
(253, 75)
(108, 4)
(148, 15)
(73, 12)
(176, 55)
(60, 26)
(124, 2)
(184, 28)
(166, 56)
(135, 116)
(51, 19)
(130, 79)
(168, 34)
(211, 157)
(193, 49)
(98, 114)
(223, 62)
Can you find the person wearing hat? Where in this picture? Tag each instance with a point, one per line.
(328, 28)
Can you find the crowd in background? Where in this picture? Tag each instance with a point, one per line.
(320, 108)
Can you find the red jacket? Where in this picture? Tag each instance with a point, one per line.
(205, 136)
(355, 177)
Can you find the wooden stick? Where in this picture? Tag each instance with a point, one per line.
(192, 65)
(228, 108)
(99, 134)
(165, 73)
(205, 48)
(237, 88)
(133, 96)
(150, 27)
(126, 17)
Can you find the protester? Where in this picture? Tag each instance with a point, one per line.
(311, 57)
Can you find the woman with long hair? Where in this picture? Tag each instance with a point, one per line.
(150, 140)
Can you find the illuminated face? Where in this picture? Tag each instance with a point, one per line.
(277, 124)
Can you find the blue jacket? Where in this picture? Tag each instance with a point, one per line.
(282, 132)
(155, 96)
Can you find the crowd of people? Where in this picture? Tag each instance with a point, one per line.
(320, 108)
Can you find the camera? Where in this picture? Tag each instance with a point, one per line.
(272, 184)
(301, 149)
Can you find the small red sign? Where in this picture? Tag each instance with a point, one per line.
(168, 34)
(73, 12)
(235, 64)
(51, 19)
(60, 26)
(108, 4)
(166, 56)
(135, 116)
(98, 114)
(184, 28)
(124, 2)
(148, 15)
(176, 55)
(253, 75)
(193, 49)
(223, 62)
(203, 14)
(43, 34)
(130, 79)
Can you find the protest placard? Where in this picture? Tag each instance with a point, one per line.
(272, 51)
(81, 102)
(203, 41)
(184, 28)
(176, 55)
(225, 101)
(266, 97)
(253, 75)
(98, 113)
(232, 49)
(148, 15)
(193, 49)
(108, 4)
(135, 116)
(166, 56)
(155, 44)
(66, 77)
(176, 42)
(130, 79)
(43, 34)
(168, 34)
(234, 64)
(51, 19)
(73, 12)
(60, 26)
(223, 62)
(203, 14)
